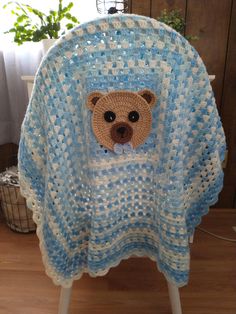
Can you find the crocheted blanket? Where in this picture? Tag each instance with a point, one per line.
(121, 148)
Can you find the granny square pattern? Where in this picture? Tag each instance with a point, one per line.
(121, 148)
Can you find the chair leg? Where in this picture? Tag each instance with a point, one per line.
(174, 298)
(64, 300)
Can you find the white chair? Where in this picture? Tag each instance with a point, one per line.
(172, 289)
(75, 78)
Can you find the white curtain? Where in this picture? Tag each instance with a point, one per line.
(16, 61)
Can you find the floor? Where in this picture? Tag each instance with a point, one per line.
(134, 287)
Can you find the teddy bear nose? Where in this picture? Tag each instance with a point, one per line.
(121, 132)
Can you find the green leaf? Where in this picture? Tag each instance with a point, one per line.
(68, 15)
(21, 28)
(69, 26)
(21, 18)
(39, 35)
(7, 4)
(53, 13)
(60, 6)
(35, 11)
(14, 13)
(49, 19)
(11, 30)
(56, 26)
(70, 5)
(74, 19)
(67, 8)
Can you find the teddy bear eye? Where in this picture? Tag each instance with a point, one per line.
(133, 116)
(109, 116)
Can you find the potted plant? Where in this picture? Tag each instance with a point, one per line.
(174, 19)
(34, 25)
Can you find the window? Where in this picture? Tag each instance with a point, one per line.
(84, 10)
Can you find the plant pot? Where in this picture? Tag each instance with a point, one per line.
(46, 44)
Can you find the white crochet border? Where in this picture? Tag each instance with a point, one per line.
(57, 279)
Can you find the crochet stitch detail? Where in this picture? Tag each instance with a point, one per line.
(96, 200)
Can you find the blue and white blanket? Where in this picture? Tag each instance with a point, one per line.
(121, 148)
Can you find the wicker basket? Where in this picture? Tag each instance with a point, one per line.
(15, 212)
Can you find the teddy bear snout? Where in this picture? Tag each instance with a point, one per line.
(121, 132)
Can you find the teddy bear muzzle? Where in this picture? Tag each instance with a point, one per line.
(121, 132)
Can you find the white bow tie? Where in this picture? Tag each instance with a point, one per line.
(123, 148)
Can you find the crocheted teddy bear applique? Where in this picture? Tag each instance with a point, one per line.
(121, 120)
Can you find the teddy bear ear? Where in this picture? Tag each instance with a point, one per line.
(93, 98)
(149, 96)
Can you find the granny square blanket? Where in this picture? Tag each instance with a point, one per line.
(121, 148)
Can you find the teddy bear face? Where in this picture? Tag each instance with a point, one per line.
(121, 117)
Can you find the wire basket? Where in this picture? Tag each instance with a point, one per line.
(112, 6)
(16, 214)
